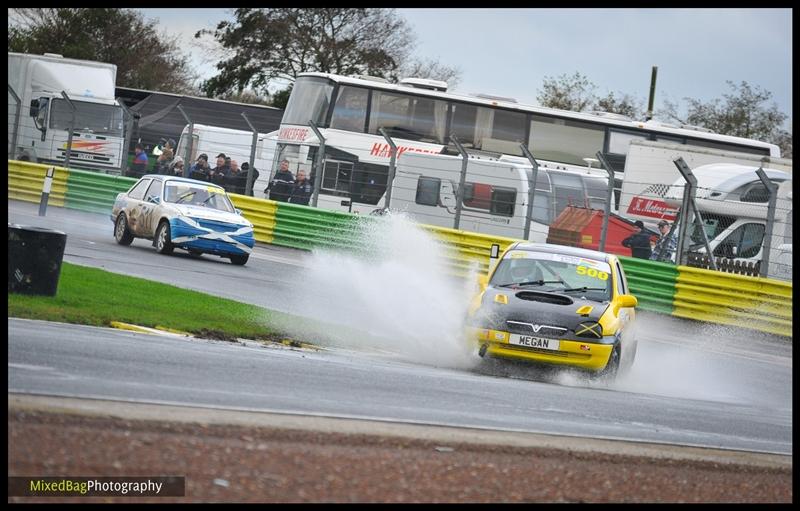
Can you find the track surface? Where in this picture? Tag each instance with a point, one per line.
(687, 387)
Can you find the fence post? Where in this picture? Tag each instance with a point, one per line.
(772, 188)
(13, 148)
(607, 210)
(689, 191)
(127, 139)
(461, 182)
(318, 164)
(392, 167)
(531, 190)
(249, 187)
(187, 161)
(686, 172)
(71, 128)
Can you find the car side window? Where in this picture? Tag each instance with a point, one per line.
(154, 190)
(622, 286)
(137, 192)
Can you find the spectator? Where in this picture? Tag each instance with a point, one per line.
(163, 161)
(200, 169)
(139, 165)
(246, 171)
(176, 167)
(218, 174)
(280, 188)
(639, 242)
(665, 247)
(301, 191)
(237, 180)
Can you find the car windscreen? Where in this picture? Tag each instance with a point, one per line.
(560, 273)
(197, 195)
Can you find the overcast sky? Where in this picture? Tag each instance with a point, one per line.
(508, 52)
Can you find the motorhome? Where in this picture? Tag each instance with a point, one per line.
(495, 193)
(40, 82)
(213, 140)
(733, 204)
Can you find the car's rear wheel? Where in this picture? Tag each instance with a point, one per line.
(240, 259)
(121, 232)
(163, 243)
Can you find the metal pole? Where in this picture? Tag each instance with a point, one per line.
(318, 164)
(48, 183)
(187, 162)
(688, 197)
(13, 148)
(392, 167)
(607, 209)
(698, 220)
(461, 182)
(71, 129)
(772, 188)
(652, 94)
(249, 187)
(531, 189)
(128, 133)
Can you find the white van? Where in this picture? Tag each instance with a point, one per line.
(733, 203)
(213, 140)
(495, 196)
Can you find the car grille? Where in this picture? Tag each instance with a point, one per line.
(564, 354)
(525, 328)
(217, 226)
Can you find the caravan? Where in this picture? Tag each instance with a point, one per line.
(495, 193)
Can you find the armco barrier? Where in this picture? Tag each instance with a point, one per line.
(749, 302)
(259, 211)
(26, 179)
(651, 282)
(95, 192)
(692, 293)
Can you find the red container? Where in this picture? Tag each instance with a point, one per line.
(581, 227)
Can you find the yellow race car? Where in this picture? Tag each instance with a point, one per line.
(556, 305)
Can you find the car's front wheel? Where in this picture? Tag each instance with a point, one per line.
(240, 259)
(121, 232)
(609, 373)
(163, 239)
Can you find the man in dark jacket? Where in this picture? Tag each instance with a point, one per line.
(639, 243)
(280, 188)
(218, 174)
(301, 192)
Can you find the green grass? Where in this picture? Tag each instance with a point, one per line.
(90, 296)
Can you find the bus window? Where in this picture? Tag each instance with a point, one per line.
(310, 99)
(568, 190)
(350, 111)
(462, 123)
(564, 140)
(619, 141)
(413, 118)
(727, 147)
(508, 127)
(336, 177)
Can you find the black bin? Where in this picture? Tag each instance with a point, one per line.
(34, 259)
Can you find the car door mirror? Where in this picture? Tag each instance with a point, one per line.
(34, 110)
(628, 301)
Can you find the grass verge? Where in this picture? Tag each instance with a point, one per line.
(90, 296)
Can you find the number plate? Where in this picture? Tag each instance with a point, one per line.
(534, 342)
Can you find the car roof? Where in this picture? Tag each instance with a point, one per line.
(180, 179)
(563, 249)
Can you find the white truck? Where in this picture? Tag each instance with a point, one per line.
(213, 140)
(98, 140)
(496, 193)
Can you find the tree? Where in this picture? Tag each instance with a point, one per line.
(266, 44)
(567, 92)
(625, 105)
(739, 113)
(144, 59)
(432, 69)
